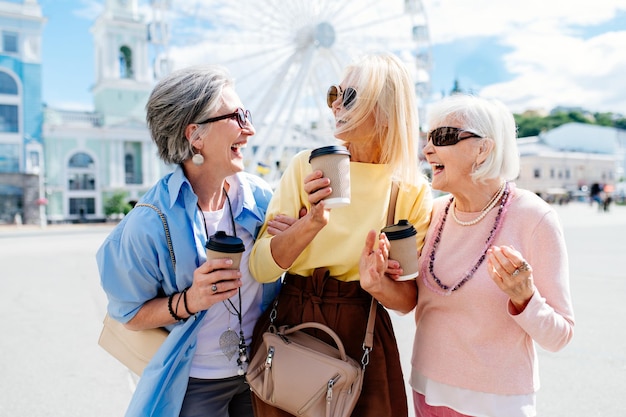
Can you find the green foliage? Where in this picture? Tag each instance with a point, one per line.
(531, 124)
(117, 204)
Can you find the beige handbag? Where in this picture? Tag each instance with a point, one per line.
(306, 377)
(135, 348)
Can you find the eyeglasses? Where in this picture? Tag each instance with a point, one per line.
(447, 136)
(242, 116)
(335, 91)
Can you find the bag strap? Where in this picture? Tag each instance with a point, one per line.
(393, 197)
(165, 227)
(368, 343)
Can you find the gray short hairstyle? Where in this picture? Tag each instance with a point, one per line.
(185, 96)
(489, 118)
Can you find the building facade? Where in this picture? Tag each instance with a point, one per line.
(21, 144)
(569, 159)
(91, 156)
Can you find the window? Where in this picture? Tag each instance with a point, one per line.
(82, 206)
(9, 158)
(8, 118)
(34, 160)
(81, 172)
(132, 163)
(7, 84)
(81, 160)
(537, 173)
(126, 62)
(9, 42)
(81, 182)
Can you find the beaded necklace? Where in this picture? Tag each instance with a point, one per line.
(445, 289)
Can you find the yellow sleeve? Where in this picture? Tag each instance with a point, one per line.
(289, 197)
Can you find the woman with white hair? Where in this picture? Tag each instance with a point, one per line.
(494, 273)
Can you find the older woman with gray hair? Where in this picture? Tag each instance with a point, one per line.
(199, 124)
(494, 276)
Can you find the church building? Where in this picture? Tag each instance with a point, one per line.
(92, 156)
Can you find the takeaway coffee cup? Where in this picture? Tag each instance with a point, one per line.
(221, 245)
(403, 248)
(334, 162)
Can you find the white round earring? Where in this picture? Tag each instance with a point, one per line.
(197, 159)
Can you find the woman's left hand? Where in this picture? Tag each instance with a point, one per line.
(282, 222)
(373, 261)
(512, 274)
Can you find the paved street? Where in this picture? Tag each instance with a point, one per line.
(51, 307)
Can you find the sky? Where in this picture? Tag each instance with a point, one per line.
(532, 55)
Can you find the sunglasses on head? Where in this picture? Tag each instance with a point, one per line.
(242, 116)
(446, 136)
(335, 91)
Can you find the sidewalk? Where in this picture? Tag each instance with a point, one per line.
(52, 306)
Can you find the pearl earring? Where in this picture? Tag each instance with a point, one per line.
(197, 159)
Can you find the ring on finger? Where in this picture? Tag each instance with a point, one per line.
(214, 287)
(523, 267)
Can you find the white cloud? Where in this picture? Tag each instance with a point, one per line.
(551, 62)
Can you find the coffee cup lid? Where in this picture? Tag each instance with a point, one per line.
(329, 150)
(400, 230)
(221, 242)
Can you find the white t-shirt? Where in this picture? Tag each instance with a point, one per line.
(209, 361)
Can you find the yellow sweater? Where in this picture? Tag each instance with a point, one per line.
(339, 245)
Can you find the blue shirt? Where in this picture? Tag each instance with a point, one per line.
(135, 266)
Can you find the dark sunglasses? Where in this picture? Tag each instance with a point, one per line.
(335, 91)
(447, 136)
(242, 116)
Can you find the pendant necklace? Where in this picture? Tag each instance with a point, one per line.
(443, 289)
(230, 342)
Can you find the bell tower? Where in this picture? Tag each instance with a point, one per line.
(123, 71)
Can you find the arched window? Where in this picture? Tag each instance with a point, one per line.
(7, 84)
(126, 62)
(81, 160)
(81, 183)
(81, 172)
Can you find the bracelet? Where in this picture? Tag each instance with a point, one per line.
(169, 307)
(185, 302)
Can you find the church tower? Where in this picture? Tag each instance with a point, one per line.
(123, 71)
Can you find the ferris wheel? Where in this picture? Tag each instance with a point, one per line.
(284, 54)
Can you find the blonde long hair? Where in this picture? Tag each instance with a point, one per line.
(385, 87)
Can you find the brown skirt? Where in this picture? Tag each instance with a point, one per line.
(344, 307)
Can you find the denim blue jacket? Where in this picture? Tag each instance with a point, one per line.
(135, 266)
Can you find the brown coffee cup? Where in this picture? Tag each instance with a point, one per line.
(403, 248)
(221, 245)
(334, 162)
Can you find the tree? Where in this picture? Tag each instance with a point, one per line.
(116, 204)
(532, 124)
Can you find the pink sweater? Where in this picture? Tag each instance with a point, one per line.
(470, 338)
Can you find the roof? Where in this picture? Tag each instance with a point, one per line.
(582, 137)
